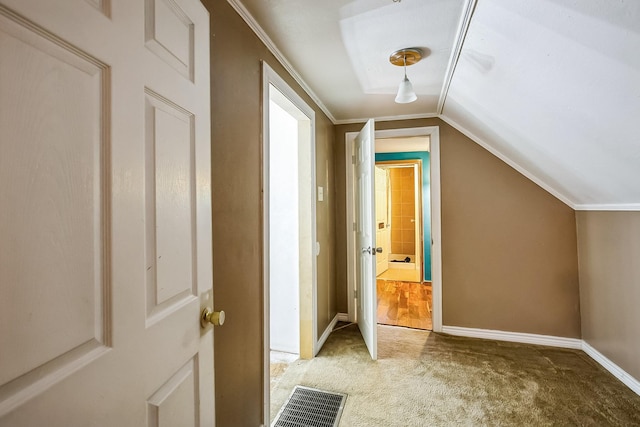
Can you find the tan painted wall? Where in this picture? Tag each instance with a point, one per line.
(609, 254)
(509, 247)
(236, 84)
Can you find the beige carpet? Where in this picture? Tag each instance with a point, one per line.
(427, 379)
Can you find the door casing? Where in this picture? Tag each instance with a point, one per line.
(307, 227)
(436, 246)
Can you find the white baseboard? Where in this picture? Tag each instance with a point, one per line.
(552, 341)
(343, 317)
(615, 370)
(325, 335)
(521, 337)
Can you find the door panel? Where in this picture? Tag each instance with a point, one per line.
(170, 211)
(105, 230)
(175, 403)
(54, 236)
(365, 235)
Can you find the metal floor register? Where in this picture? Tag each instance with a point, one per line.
(308, 407)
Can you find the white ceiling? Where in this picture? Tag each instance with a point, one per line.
(341, 50)
(550, 86)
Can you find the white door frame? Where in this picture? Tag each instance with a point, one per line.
(436, 247)
(308, 254)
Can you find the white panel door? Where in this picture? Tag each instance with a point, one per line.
(105, 218)
(365, 236)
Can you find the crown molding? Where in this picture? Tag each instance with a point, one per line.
(558, 195)
(257, 29)
(608, 207)
(387, 118)
(461, 34)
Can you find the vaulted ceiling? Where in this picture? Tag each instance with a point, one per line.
(552, 87)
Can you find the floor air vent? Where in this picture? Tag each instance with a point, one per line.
(308, 407)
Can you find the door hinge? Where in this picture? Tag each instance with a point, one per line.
(355, 293)
(355, 228)
(353, 159)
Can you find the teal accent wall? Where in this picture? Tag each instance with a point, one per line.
(426, 198)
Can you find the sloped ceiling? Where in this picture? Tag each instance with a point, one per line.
(550, 86)
(554, 86)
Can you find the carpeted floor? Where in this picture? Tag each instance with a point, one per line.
(428, 379)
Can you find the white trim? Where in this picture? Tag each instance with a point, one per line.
(387, 119)
(615, 370)
(266, 323)
(563, 198)
(519, 337)
(343, 317)
(349, 215)
(609, 207)
(461, 34)
(269, 76)
(326, 333)
(262, 35)
(436, 230)
(436, 252)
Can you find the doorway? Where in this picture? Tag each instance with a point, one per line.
(289, 229)
(433, 241)
(404, 287)
(399, 221)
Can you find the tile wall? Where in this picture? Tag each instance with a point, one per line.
(402, 211)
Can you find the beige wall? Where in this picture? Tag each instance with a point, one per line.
(237, 212)
(609, 253)
(508, 247)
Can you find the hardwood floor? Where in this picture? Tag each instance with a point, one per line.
(404, 304)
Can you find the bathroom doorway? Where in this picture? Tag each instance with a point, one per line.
(403, 281)
(399, 220)
(403, 144)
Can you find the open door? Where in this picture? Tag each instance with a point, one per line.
(105, 225)
(366, 294)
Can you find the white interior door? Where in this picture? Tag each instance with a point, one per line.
(105, 225)
(365, 236)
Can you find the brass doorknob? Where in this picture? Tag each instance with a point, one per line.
(209, 316)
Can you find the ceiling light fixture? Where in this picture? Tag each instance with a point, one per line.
(402, 58)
